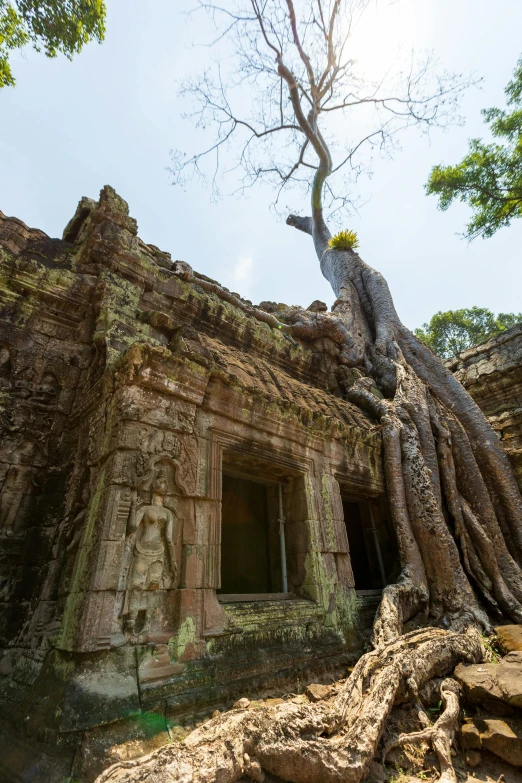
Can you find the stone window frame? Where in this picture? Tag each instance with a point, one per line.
(354, 492)
(290, 466)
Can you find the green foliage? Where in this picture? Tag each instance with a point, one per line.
(489, 178)
(344, 240)
(50, 26)
(493, 651)
(434, 711)
(451, 332)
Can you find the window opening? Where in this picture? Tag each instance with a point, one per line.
(373, 548)
(282, 542)
(253, 551)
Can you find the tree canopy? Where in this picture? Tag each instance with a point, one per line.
(489, 178)
(453, 331)
(49, 26)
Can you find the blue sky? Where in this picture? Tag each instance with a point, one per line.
(112, 116)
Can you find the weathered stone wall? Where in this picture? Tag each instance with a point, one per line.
(492, 374)
(127, 386)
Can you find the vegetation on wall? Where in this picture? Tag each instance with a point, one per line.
(489, 178)
(49, 26)
(450, 332)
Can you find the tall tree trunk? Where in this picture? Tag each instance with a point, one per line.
(453, 494)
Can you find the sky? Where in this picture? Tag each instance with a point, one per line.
(113, 114)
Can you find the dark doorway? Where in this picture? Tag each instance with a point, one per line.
(373, 547)
(362, 572)
(245, 537)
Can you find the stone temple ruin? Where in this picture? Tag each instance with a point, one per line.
(190, 511)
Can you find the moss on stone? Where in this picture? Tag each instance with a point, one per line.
(185, 635)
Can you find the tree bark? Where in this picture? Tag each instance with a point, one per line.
(452, 491)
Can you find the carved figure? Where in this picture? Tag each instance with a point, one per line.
(24, 382)
(48, 390)
(16, 487)
(150, 531)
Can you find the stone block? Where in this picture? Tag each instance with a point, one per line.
(201, 566)
(189, 606)
(298, 536)
(502, 681)
(112, 514)
(344, 569)
(187, 519)
(97, 619)
(470, 737)
(194, 566)
(509, 637)
(298, 573)
(215, 618)
(191, 568)
(100, 691)
(212, 562)
(341, 536)
(330, 513)
(298, 505)
(311, 591)
(328, 560)
(316, 692)
(208, 522)
(156, 666)
(106, 575)
(159, 410)
(502, 737)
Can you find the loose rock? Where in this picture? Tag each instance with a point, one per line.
(317, 692)
(470, 737)
(502, 681)
(502, 737)
(509, 637)
(241, 704)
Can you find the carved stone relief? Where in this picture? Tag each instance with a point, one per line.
(150, 537)
(30, 396)
(16, 489)
(22, 464)
(150, 562)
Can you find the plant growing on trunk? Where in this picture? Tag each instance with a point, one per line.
(455, 504)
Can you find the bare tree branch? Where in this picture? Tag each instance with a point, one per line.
(275, 110)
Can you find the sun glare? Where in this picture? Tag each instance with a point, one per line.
(384, 36)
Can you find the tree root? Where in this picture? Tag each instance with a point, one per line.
(326, 742)
(440, 735)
